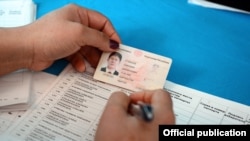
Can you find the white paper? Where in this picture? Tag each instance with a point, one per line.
(196, 107)
(41, 81)
(15, 13)
(71, 108)
(15, 90)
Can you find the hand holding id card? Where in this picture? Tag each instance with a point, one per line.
(133, 69)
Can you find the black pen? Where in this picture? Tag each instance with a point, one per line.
(143, 110)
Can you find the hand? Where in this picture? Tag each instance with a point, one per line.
(117, 124)
(73, 32)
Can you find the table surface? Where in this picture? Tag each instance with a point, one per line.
(210, 48)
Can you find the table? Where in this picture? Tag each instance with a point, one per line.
(210, 48)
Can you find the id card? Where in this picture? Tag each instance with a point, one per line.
(133, 69)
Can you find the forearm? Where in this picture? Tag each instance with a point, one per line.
(14, 52)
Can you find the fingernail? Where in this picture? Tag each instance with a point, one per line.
(113, 44)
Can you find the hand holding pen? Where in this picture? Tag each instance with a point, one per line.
(119, 122)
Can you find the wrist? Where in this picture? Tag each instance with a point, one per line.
(15, 52)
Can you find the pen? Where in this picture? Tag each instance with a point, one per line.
(145, 111)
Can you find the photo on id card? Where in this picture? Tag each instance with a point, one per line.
(133, 69)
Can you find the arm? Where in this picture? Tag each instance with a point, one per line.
(14, 53)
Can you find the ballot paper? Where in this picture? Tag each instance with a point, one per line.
(196, 107)
(136, 69)
(15, 87)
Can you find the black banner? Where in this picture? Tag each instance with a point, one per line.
(238, 4)
(199, 132)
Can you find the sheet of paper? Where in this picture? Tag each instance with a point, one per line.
(15, 13)
(196, 107)
(135, 69)
(71, 108)
(41, 81)
(215, 5)
(19, 96)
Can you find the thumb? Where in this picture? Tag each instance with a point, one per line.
(117, 104)
(100, 40)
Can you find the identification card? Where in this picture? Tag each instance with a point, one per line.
(133, 69)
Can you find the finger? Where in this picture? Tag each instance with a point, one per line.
(99, 22)
(162, 98)
(94, 29)
(92, 55)
(152, 96)
(92, 37)
(77, 62)
(160, 101)
(119, 99)
(144, 96)
(102, 23)
(118, 104)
